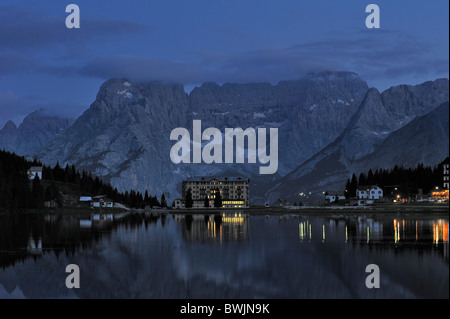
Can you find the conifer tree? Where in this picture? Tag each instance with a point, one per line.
(217, 199)
(163, 200)
(188, 199)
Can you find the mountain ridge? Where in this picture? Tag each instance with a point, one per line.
(326, 121)
(37, 129)
(124, 134)
(329, 168)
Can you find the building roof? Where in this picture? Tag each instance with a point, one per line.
(35, 169)
(367, 187)
(219, 178)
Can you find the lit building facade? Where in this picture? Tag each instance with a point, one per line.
(234, 191)
(368, 194)
(446, 176)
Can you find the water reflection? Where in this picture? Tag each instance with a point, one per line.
(399, 232)
(369, 230)
(214, 228)
(228, 254)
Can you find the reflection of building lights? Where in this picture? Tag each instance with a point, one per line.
(237, 219)
(396, 231)
(417, 235)
(368, 234)
(301, 230)
(346, 234)
(440, 231)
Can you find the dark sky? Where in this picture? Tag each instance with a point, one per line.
(44, 64)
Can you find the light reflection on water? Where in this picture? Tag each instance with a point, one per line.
(224, 255)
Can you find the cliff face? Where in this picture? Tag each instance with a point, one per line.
(327, 123)
(367, 141)
(36, 130)
(8, 136)
(309, 113)
(423, 140)
(124, 135)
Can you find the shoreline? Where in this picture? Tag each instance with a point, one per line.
(440, 209)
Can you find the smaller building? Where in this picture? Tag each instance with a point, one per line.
(368, 194)
(334, 196)
(102, 201)
(446, 180)
(179, 203)
(439, 194)
(50, 204)
(34, 171)
(85, 201)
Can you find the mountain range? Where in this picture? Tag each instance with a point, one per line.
(36, 130)
(330, 124)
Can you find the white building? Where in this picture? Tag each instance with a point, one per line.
(446, 176)
(101, 201)
(368, 194)
(34, 171)
(332, 196)
(179, 203)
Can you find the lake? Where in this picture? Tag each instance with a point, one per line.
(230, 254)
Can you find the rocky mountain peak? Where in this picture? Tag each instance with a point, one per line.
(36, 129)
(9, 126)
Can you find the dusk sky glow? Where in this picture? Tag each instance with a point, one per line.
(44, 64)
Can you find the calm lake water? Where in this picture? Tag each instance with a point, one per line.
(226, 255)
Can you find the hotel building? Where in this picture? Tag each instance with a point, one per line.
(234, 191)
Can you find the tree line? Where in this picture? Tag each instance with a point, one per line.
(17, 192)
(409, 180)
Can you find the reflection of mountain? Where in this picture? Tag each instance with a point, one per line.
(23, 237)
(147, 257)
(215, 228)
